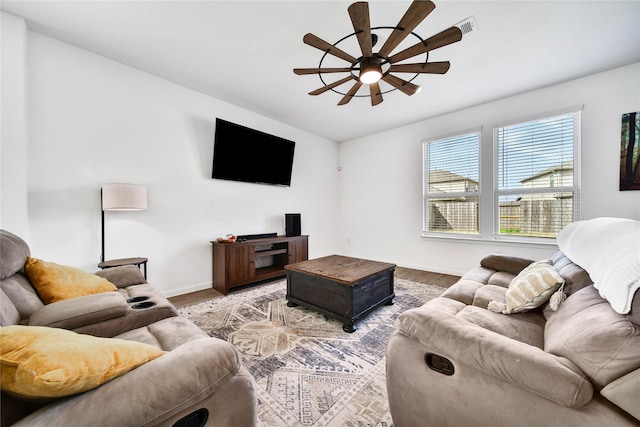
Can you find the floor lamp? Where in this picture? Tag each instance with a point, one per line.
(121, 197)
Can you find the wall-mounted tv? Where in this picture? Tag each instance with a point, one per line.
(248, 155)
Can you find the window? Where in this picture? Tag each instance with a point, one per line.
(537, 176)
(451, 185)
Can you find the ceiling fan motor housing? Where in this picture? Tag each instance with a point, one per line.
(370, 69)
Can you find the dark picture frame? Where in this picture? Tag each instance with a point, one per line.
(630, 152)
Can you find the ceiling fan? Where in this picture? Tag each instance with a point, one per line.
(372, 67)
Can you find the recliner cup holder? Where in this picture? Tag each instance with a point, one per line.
(145, 304)
(137, 299)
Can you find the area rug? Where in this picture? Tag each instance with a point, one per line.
(308, 371)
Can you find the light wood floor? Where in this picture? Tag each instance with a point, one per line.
(438, 279)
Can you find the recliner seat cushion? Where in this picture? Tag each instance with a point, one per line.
(526, 328)
(586, 330)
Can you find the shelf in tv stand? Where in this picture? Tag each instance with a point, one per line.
(263, 273)
(270, 252)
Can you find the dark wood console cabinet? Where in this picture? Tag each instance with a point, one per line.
(234, 264)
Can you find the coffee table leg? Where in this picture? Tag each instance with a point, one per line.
(291, 304)
(349, 328)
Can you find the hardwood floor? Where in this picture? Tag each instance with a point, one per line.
(438, 279)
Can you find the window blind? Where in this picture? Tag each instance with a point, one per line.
(451, 184)
(536, 177)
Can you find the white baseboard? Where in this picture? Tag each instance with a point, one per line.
(187, 289)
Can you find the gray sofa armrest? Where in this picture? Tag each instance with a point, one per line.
(123, 276)
(510, 264)
(77, 312)
(184, 379)
(525, 366)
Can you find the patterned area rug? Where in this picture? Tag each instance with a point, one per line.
(309, 372)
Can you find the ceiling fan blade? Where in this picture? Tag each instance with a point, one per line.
(324, 46)
(430, 68)
(351, 93)
(418, 10)
(376, 96)
(444, 38)
(323, 89)
(402, 85)
(302, 71)
(359, 13)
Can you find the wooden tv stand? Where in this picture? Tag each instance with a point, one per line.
(234, 264)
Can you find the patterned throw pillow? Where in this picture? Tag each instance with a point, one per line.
(530, 289)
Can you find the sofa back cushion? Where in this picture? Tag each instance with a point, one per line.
(122, 276)
(586, 330)
(575, 278)
(510, 264)
(18, 288)
(8, 312)
(13, 255)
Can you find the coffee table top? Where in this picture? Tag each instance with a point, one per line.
(340, 268)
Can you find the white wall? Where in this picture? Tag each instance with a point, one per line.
(94, 121)
(13, 125)
(381, 177)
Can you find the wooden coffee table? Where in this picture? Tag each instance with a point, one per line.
(340, 287)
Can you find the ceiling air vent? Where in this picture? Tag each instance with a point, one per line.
(467, 25)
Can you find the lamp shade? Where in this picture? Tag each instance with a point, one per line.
(124, 197)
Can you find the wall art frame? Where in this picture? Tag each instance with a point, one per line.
(630, 152)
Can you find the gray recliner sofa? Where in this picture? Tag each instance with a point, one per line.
(199, 381)
(453, 362)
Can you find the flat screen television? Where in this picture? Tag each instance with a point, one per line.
(248, 155)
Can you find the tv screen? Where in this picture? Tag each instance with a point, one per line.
(248, 155)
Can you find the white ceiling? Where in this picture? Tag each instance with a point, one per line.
(243, 52)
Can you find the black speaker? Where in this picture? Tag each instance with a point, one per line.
(292, 224)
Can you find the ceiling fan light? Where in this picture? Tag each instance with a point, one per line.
(370, 72)
(370, 76)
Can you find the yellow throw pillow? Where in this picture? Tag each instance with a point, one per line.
(55, 282)
(41, 362)
(530, 289)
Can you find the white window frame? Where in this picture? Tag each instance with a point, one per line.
(574, 188)
(425, 188)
